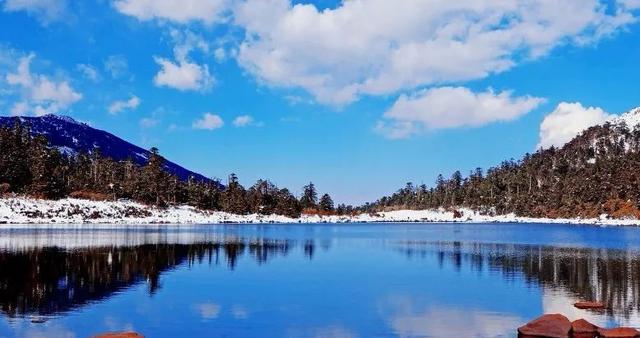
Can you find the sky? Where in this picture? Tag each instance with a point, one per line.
(358, 96)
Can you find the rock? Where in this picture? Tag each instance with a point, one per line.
(589, 305)
(583, 329)
(119, 335)
(619, 332)
(548, 326)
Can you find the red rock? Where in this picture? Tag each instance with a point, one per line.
(589, 305)
(548, 326)
(619, 332)
(583, 329)
(119, 335)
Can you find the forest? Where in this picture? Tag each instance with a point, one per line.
(29, 166)
(596, 173)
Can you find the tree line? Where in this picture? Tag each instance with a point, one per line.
(28, 165)
(596, 173)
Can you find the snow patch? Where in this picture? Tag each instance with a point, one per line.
(630, 118)
(21, 210)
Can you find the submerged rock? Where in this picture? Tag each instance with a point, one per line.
(583, 329)
(589, 305)
(619, 332)
(548, 326)
(119, 335)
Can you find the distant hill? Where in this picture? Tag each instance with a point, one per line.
(596, 173)
(72, 137)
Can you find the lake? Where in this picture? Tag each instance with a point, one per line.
(324, 280)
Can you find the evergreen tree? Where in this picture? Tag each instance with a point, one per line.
(44, 165)
(152, 187)
(309, 197)
(287, 204)
(326, 203)
(234, 197)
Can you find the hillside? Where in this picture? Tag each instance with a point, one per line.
(72, 137)
(598, 172)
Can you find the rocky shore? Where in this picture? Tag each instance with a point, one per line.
(558, 326)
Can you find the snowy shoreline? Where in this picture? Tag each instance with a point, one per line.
(69, 211)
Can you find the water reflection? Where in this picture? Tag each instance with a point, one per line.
(362, 281)
(608, 275)
(52, 280)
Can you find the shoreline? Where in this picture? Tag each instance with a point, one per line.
(22, 211)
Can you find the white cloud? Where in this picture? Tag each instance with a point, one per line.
(118, 106)
(149, 122)
(181, 11)
(379, 47)
(220, 54)
(88, 71)
(183, 75)
(630, 4)
(208, 122)
(186, 42)
(243, 121)
(451, 107)
(38, 92)
(45, 10)
(117, 66)
(567, 121)
(20, 108)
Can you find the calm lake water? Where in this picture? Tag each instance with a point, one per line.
(358, 280)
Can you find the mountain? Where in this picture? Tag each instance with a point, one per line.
(596, 173)
(72, 137)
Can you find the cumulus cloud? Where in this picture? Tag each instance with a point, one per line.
(208, 122)
(119, 106)
(378, 47)
(567, 121)
(451, 107)
(180, 11)
(38, 92)
(183, 75)
(88, 72)
(45, 10)
(244, 121)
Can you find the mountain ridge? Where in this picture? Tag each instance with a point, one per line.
(595, 173)
(71, 137)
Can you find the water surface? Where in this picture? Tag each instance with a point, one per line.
(324, 280)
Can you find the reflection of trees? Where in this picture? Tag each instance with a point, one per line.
(51, 280)
(611, 276)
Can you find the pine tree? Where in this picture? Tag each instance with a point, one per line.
(326, 203)
(287, 204)
(234, 197)
(153, 186)
(44, 165)
(309, 197)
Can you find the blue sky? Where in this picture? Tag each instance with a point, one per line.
(358, 96)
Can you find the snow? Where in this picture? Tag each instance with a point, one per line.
(23, 211)
(64, 118)
(631, 118)
(67, 151)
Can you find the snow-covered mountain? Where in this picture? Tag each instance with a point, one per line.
(71, 137)
(630, 118)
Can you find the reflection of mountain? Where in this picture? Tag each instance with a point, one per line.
(611, 276)
(52, 280)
